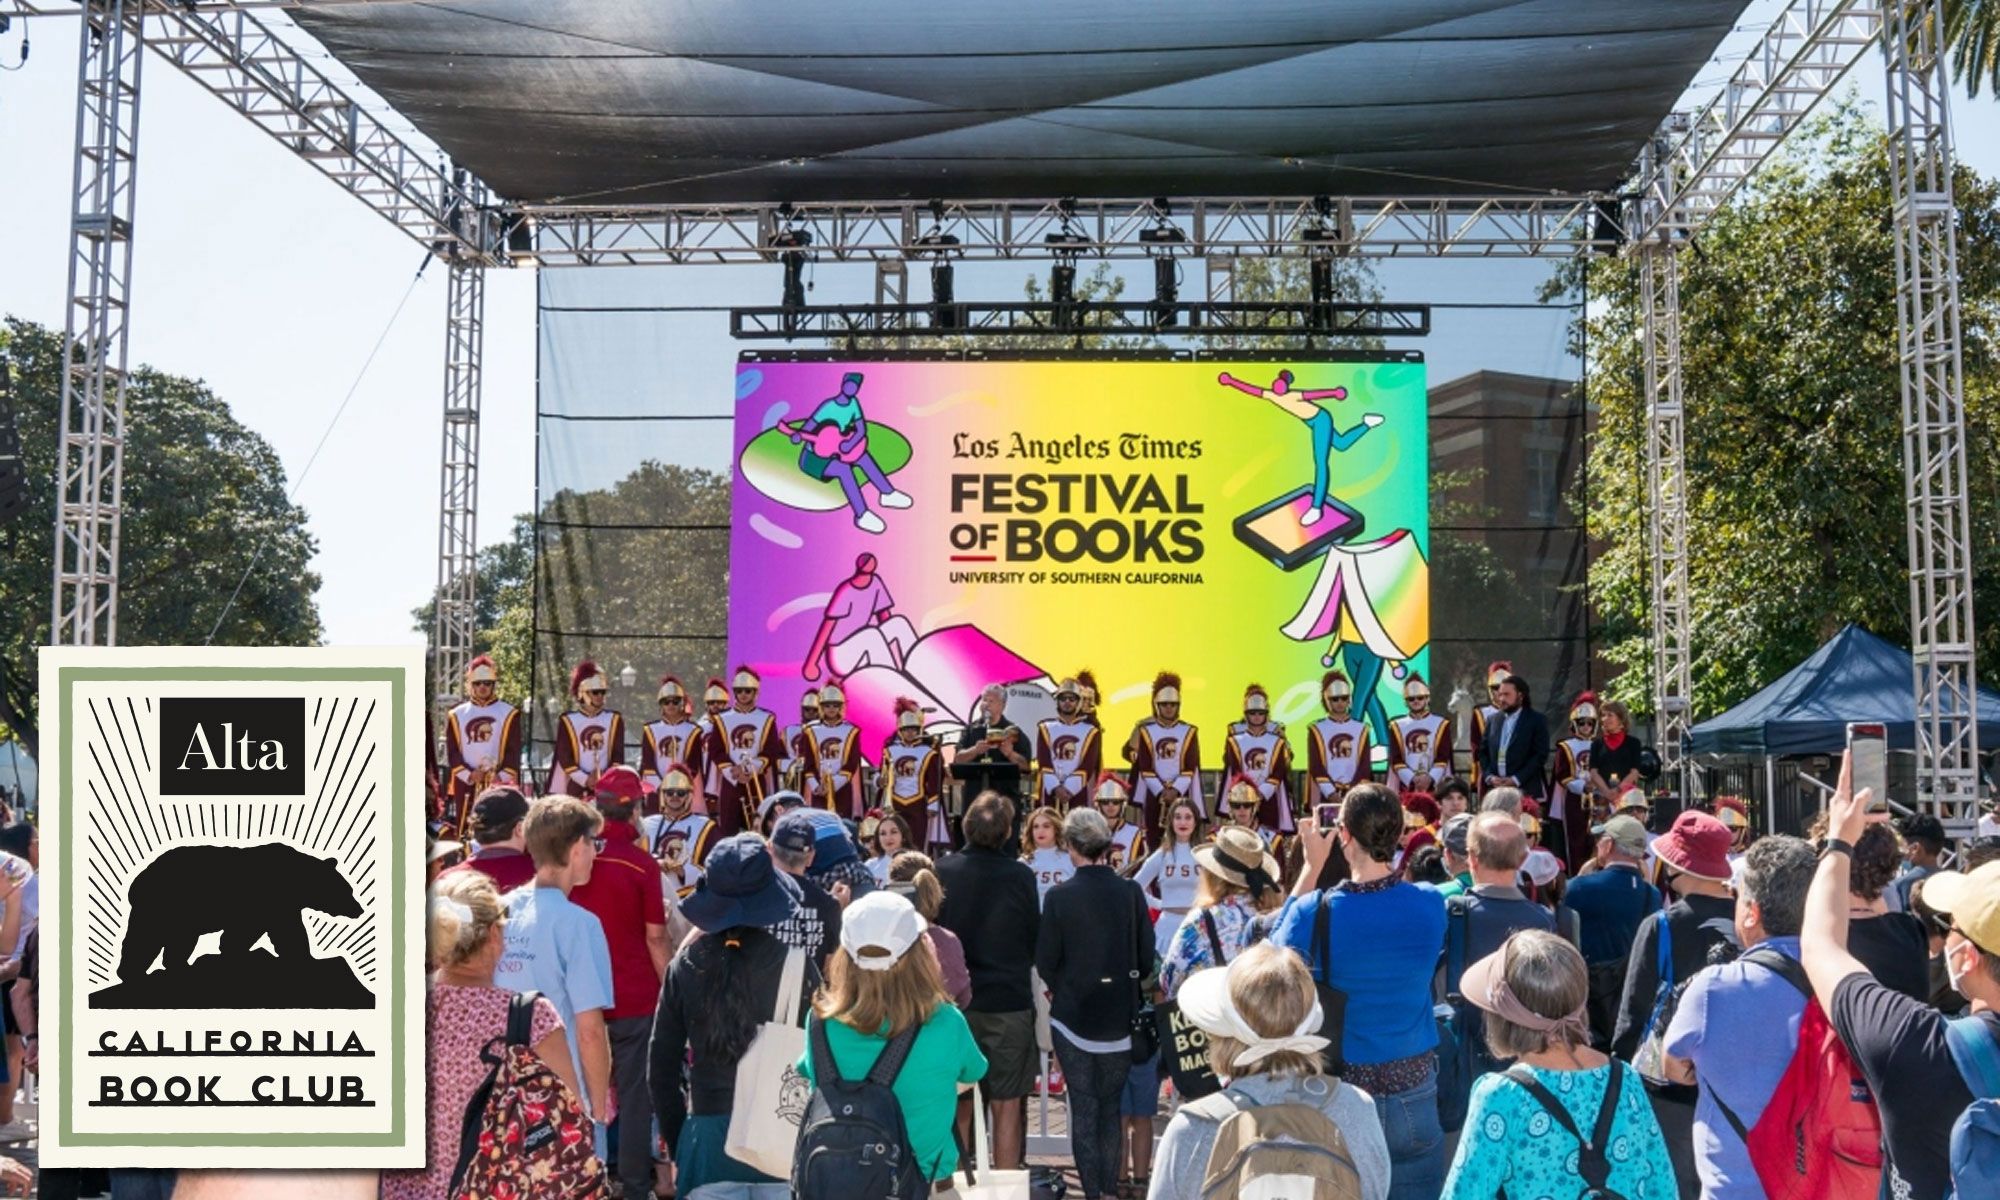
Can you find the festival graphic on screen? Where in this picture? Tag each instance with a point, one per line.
(923, 528)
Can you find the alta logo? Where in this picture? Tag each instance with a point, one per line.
(219, 746)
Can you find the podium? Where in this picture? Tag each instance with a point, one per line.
(976, 777)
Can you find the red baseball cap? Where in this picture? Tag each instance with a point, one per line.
(1697, 845)
(621, 783)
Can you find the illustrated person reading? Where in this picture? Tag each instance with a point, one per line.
(482, 744)
(860, 627)
(1165, 754)
(1256, 752)
(589, 737)
(673, 739)
(1319, 422)
(743, 747)
(1068, 750)
(834, 445)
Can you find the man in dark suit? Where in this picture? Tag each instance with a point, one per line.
(1515, 752)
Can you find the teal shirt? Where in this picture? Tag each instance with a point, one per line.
(1511, 1149)
(1458, 886)
(943, 1056)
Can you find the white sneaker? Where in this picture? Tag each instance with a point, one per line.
(896, 500)
(868, 522)
(1312, 516)
(1372, 420)
(16, 1131)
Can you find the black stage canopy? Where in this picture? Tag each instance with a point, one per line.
(676, 101)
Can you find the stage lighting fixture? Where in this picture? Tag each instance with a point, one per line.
(791, 246)
(1166, 290)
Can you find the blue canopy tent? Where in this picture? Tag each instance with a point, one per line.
(1855, 676)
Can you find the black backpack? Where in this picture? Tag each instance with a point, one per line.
(1591, 1162)
(853, 1144)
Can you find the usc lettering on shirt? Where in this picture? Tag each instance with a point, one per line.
(1051, 867)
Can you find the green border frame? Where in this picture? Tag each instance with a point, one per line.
(396, 679)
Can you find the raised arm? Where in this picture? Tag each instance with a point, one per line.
(1248, 389)
(1823, 937)
(1339, 393)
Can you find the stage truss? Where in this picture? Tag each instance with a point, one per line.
(1695, 164)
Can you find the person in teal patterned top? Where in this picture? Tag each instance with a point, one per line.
(1515, 1144)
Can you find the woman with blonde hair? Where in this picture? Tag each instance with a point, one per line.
(881, 998)
(913, 876)
(1262, 1014)
(1238, 883)
(1170, 872)
(1525, 1128)
(463, 1013)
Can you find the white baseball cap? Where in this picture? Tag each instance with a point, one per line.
(880, 921)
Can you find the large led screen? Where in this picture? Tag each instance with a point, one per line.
(922, 528)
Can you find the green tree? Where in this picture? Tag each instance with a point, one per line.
(1972, 38)
(1794, 445)
(201, 493)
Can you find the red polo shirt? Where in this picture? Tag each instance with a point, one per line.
(507, 868)
(625, 894)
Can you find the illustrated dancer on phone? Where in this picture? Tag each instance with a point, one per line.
(1325, 438)
(834, 445)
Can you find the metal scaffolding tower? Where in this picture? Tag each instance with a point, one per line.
(1927, 322)
(455, 617)
(90, 473)
(1666, 491)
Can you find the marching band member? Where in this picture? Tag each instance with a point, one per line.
(1496, 674)
(1069, 750)
(913, 781)
(1419, 742)
(1337, 749)
(589, 737)
(482, 744)
(1087, 693)
(714, 699)
(678, 837)
(791, 768)
(1112, 800)
(1569, 800)
(1257, 751)
(743, 748)
(671, 739)
(833, 772)
(1165, 758)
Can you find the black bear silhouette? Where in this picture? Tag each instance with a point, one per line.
(245, 893)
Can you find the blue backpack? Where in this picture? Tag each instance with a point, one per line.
(1975, 1136)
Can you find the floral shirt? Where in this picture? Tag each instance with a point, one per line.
(1234, 919)
(462, 1020)
(1512, 1148)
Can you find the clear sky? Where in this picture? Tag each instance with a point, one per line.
(254, 272)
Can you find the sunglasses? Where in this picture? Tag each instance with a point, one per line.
(745, 691)
(677, 793)
(1234, 804)
(1418, 697)
(595, 691)
(1256, 712)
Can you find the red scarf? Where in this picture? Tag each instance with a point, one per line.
(1613, 740)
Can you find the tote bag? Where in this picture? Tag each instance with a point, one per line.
(982, 1182)
(771, 1095)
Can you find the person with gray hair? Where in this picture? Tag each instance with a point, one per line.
(993, 743)
(1478, 923)
(1093, 950)
(1737, 1025)
(1548, 1124)
(1502, 799)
